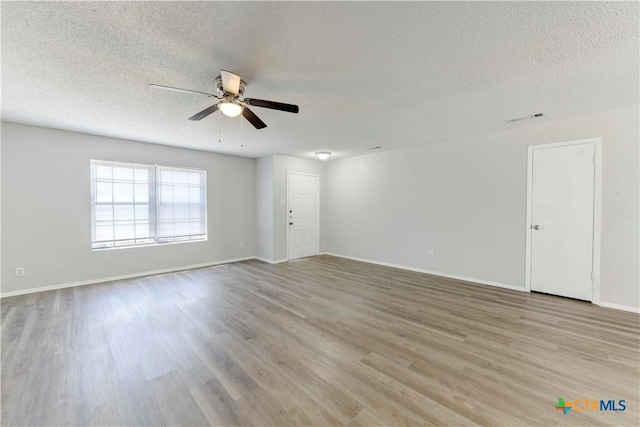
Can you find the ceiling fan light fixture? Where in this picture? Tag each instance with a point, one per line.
(323, 155)
(230, 108)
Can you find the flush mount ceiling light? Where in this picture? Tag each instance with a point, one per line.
(323, 155)
(230, 108)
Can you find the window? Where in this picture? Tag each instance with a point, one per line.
(134, 204)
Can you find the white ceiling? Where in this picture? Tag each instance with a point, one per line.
(364, 74)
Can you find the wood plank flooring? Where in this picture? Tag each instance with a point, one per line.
(320, 341)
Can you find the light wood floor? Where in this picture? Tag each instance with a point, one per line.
(320, 341)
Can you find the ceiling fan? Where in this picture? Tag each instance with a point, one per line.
(229, 88)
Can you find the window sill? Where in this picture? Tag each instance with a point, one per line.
(149, 245)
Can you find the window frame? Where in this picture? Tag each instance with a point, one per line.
(153, 204)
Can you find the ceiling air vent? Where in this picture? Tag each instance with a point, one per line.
(519, 119)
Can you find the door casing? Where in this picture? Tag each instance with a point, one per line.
(317, 208)
(597, 208)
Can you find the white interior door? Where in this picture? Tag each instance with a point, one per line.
(302, 215)
(562, 220)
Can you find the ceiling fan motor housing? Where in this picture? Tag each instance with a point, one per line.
(221, 91)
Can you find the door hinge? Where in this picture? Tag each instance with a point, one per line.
(592, 276)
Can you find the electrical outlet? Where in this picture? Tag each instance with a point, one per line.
(430, 253)
(20, 272)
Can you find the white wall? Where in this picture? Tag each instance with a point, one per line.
(0, 210)
(46, 218)
(264, 207)
(466, 200)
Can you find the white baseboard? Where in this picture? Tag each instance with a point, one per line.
(270, 261)
(618, 307)
(471, 279)
(433, 273)
(121, 277)
(228, 261)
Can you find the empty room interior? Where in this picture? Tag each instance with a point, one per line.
(320, 213)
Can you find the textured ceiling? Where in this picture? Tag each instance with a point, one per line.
(364, 74)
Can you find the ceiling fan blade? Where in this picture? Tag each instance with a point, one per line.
(230, 82)
(253, 119)
(204, 113)
(177, 89)
(289, 108)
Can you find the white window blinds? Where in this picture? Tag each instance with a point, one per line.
(181, 204)
(133, 204)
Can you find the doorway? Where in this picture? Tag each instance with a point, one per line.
(302, 215)
(563, 219)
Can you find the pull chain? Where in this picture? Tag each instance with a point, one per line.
(241, 131)
(220, 127)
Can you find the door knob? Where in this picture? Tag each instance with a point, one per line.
(290, 223)
(535, 227)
